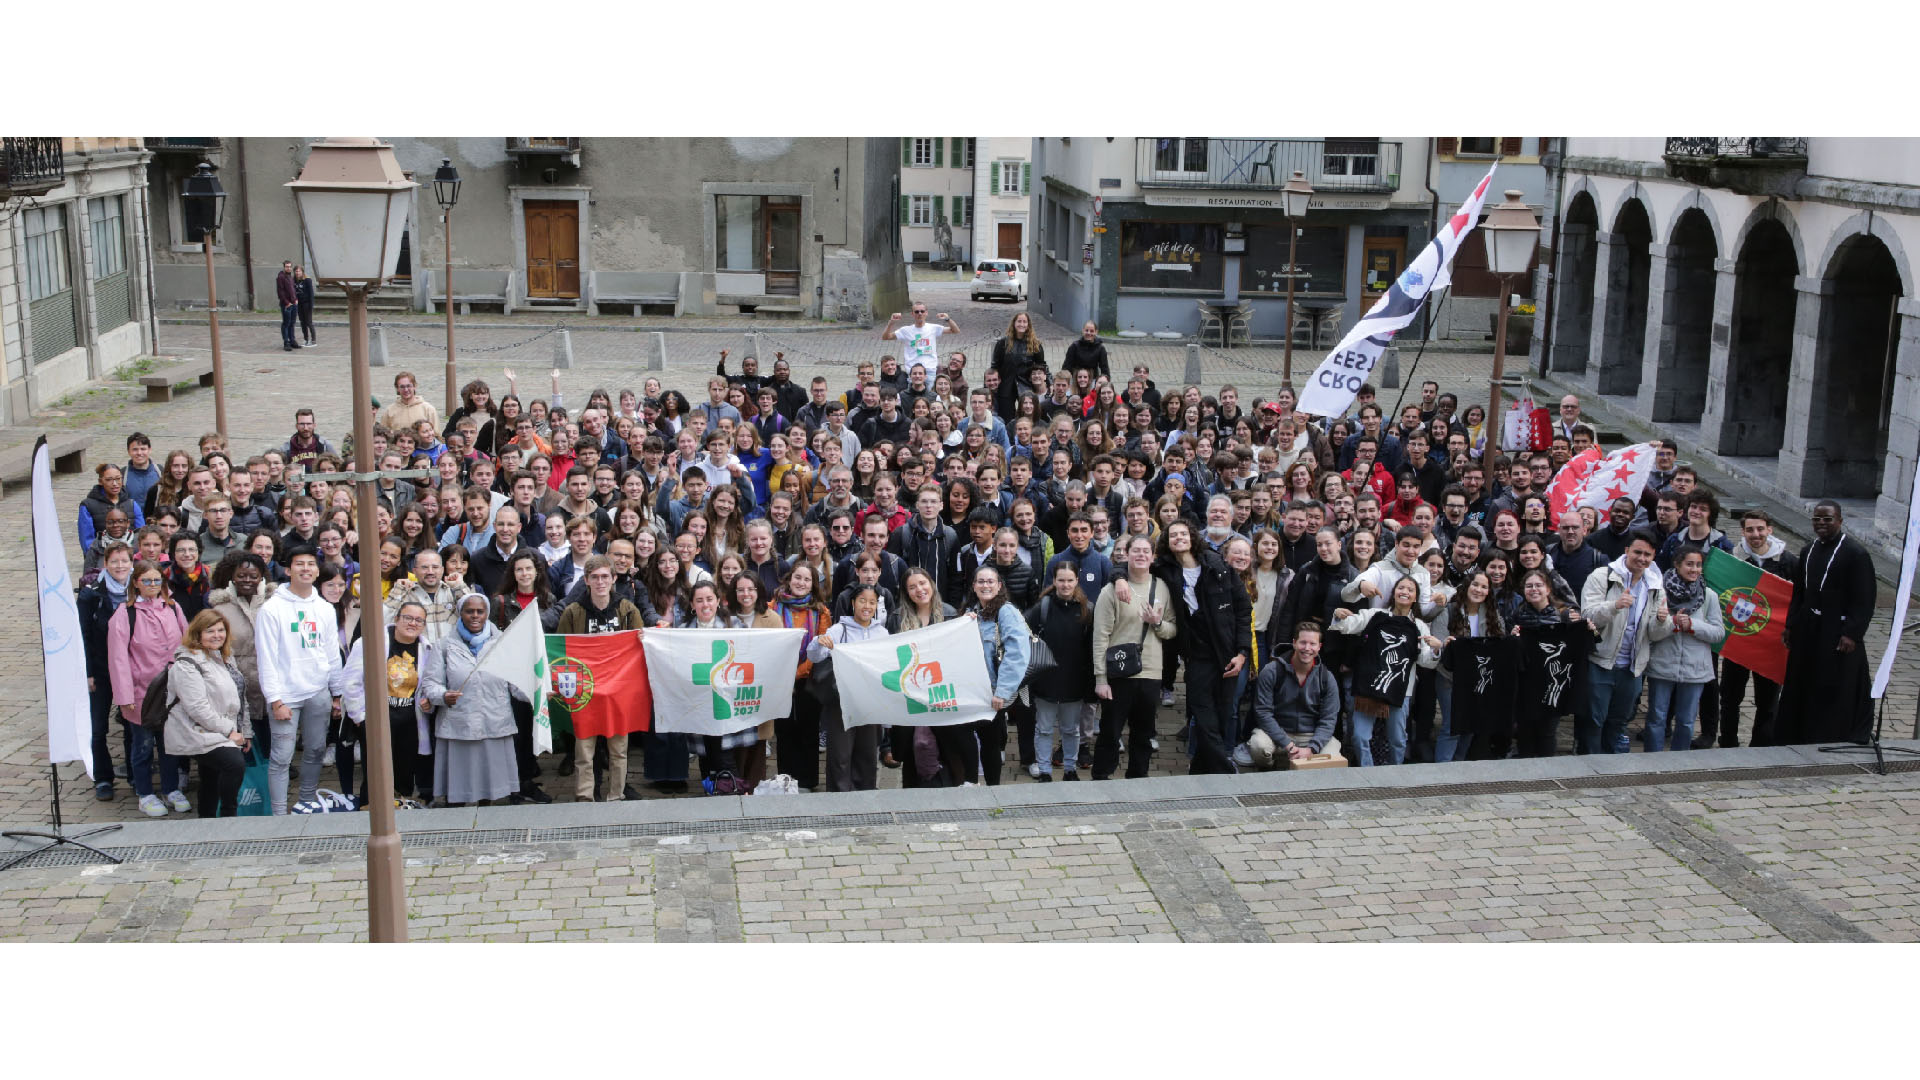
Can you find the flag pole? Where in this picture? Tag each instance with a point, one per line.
(59, 835)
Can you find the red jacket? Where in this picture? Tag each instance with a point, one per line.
(283, 288)
(1382, 485)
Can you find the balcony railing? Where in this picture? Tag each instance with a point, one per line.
(543, 144)
(31, 166)
(1345, 165)
(1751, 148)
(191, 144)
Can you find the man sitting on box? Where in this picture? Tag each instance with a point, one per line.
(1295, 703)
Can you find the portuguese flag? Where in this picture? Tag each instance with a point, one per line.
(1753, 603)
(598, 684)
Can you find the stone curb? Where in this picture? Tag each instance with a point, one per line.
(1404, 781)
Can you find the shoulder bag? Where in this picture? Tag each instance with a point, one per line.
(1123, 660)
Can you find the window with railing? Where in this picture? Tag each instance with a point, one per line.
(49, 281)
(1180, 155)
(1351, 157)
(112, 283)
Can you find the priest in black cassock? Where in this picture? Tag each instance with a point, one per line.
(1825, 696)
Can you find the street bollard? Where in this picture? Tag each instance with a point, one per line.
(562, 350)
(656, 351)
(377, 351)
(1192, 377)
(1390, 368)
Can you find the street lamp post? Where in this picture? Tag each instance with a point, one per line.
(205, 203)
(352, 199)
(1511, 234)
(446, 190)
(1294, 199)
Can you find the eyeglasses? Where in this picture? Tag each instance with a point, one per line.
(411, 619)
(154, 581)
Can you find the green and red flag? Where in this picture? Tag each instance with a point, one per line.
(598, 684)
(1753, 604)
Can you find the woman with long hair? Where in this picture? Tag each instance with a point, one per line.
(674, 408)
(866, 470)
(1383, 680)
(976, 749)
(476, 400)
(1536, 723)
(1014, 354)
(919, 605)
(172, 486)
(207, 720)
(1063, 618)
(141, 638)
(1363, 550)
(413, 529)
(526, 582)
(797, 606)
(665, 588)
(1681, 665)
(1472, 614)
(1268, 579)
(726, 525)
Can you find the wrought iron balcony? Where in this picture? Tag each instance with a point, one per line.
(31, 165)
(200, 145)
(1331, 165)
(1748, 165)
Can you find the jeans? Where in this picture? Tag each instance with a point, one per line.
(1674, 702)
(307, 719)
(287, 315)
(140, 755)
(1056, 716)
(1216, 728)
(221, 770)
(306, 321)
(1449, 745)
(1396, 721)
(1616, 690)
(1134, 705)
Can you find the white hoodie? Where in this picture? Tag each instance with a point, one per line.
(296, 644)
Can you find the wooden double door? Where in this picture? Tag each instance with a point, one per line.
(553, 249)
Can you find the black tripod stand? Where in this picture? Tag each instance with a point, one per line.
(58, 836)
(1872, 745)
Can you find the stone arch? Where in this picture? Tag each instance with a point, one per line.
(1574, 280)
(1779, 213)
(1760, 339)
(1866, 223)
(1679, 352)
(1581, 186)
(1861, 285)
(1620, 329)
(1696, 200)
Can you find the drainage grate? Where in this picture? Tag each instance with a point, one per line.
(71, 856)
(1160, 806)
(1894, 765)
(460, 837)
(1295, 798)
(1706, 776)
(914, 817)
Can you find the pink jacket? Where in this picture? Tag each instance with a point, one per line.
(133, 663)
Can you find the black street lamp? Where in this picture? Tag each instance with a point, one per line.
(204, 203)
(446, 190)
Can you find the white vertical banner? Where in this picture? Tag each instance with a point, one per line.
(519, 657)
(63, 655)
(1904, 595)
(1335, 382)
(717, 682)
(931, 677)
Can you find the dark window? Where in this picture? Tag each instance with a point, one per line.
(1170, 255)
(1321, 251)
(1482, 147)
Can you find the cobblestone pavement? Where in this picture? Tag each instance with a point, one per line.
(1799, 859)
(265, 385)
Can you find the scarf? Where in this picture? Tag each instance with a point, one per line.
(474, 641)
(798, 613)
(116, 590)
(1684, 596)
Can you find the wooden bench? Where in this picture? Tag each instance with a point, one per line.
(470, 287)
(68, 451)
(159, 382)
(636, 288)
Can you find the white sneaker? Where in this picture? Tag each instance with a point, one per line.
(178, 800)
(1034, 771)
(326, 759)
(151, 806)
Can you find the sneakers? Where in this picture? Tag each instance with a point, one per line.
(1166, 699)
(151, 806)
(103, 791)
(1045, 778)
(1155, 744)
(1035, 771)
(178, 800)
(306, 806)
(326, 759)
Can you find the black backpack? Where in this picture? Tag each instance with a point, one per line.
(156, 704)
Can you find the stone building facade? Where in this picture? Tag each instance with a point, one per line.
(75, 269)
(964, 199)
(1755, 297)
(804, 227)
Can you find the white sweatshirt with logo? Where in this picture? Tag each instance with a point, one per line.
(297, 645)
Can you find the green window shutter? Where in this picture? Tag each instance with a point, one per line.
(939, 207)
(959, 161)
(906, 209)
(906, 152)
(993, 178)
(960, 208)
(939, 158)
(1026, 178)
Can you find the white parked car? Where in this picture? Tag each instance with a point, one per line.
(1000, 277)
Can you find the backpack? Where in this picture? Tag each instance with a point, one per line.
(156, 704)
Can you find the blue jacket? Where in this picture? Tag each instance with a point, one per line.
(1095, 569)
(1010, 632)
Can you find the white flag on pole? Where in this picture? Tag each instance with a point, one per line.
(519, 657)
(1334, 384)
(64, 659)
(930, 677)
(717, 682)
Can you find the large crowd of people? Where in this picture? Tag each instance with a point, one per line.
(1390, 588)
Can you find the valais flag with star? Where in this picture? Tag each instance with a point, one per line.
(1334, 384)
(1592, 480)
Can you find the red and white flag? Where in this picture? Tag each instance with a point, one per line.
(1592, 480)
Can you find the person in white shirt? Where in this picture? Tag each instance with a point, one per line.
(296, 647)
(919, 340)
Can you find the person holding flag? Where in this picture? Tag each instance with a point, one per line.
(473, 760)
(1765, 556)
(1680, 667)
(526, 584)
(599, 612)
